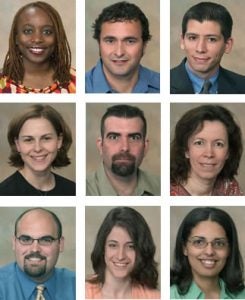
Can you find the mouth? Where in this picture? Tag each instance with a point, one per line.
(120, 265)
(39, 158)
(37, 50)
(208, 263)
(201, 59)
(208, 166)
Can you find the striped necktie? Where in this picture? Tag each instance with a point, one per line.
(40, 288)
(206, 86)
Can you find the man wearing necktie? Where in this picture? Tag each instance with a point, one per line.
(205, 38)
(37, 243)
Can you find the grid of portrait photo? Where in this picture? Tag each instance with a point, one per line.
(121, 149)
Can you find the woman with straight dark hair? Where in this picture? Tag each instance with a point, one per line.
(39, 56)
(39, 139)
(207, 260)
(205, 153)
(123, 258)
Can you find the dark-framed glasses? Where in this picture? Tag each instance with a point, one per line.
(26, 240)
(201, 243)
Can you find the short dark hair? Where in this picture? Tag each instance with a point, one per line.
(191, 122)
(61, 58)
(54, 117)
(121, 12)
(232, 273)
(123, 111)
(53, 215)
(209, 11)
(145, 271)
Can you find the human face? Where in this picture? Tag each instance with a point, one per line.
(119, 254)
(121, 48)
(123, 146)
(37, 261)
(207, 262)
(204, 45)
(35, 36)
(208, 151)
(38, 144)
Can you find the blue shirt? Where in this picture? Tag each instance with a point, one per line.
(198, 82)
(16, 285)
(95, 81)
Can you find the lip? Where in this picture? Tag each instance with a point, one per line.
(208, 263)
(39, 158)
(208, 165)
(120, 265)
(37, 50)
(119, 61)
(201, 59)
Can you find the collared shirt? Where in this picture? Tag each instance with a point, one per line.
(15, 284)
(198, 82)
(195, 292)
(98, 184)
(95, 81)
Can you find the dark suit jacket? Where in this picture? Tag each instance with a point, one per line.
(228, 82)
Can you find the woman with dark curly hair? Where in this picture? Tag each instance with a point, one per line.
(39, 55)
(39, 139)
(207, 260)
(123, 258)
(205, 153)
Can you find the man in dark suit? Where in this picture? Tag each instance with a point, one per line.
(206, 37)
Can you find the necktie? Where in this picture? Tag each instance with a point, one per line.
(40, 288)
(206, 86)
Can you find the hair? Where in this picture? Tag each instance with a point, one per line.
(54, 117)
(209, 11)
(123, 111)
(232, 273)
(53, 215)
(192, 122)
(60, 59)
(145, 270)
(122, 12)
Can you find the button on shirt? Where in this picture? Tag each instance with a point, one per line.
(15, 284)
(95, 81)
(198, 82)
(195, 292)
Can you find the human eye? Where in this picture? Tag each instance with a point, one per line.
(27, 31)
(135, 137)
(212, 39)
(25, 239)
(109, 40)
(191, 37)
(47, 31)
(27, 139)
(113, 136)
(219, 243)
(131, 41)
(219, 144)
(46, 240)
(198, 142)
(131, 246)
(47, 137)
(112, 245)
(198, 242)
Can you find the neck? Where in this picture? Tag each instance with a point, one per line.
(43, 181)
(122, 83)
(124, 186)
(209, 286)
(199, 187)
(206, 75)
(114, 288)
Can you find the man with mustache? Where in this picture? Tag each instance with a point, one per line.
(206, 37)
(37, 243)
(122, 146)
(122, 33)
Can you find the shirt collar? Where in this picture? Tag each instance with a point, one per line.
(197, 82)
(29, 286)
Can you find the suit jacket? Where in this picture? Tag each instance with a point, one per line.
(228, 82)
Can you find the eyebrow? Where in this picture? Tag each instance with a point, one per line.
(129, 134)
(115, 38)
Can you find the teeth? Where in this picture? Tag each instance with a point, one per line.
(208, 262)
(35, 259)
(37, 50)
(120, 264)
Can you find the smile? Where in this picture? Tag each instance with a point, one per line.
(120, 265)
(39, 158)
(208, 263)
(36, 50)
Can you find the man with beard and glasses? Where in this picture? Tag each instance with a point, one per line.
(37, 243)
(122, 146)
(122, 33)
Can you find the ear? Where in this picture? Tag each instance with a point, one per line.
(60, 141)
(228, 45)
(13, 242)
(17, 145)
(187, 154)
(185, 251)
(144, 47)
(99, 144)
(182, 42)
(62, 242)
(146, 146)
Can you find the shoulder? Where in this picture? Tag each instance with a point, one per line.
(227, 187)
(7, 271)
(65, 274)
(142, 292)
(66, 185)
(95, 81)
(149, 182)
(230, 82)
(178, 190)
(92, 290)
(92, 185)
(152, 79)
(9, 185)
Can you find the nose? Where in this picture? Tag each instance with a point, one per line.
(201, 45)
(37, 37)
(209, 249)
(124, 144)
(209, 151)
(121, 253)
(35, 247)
(37, 146)
(119, 49)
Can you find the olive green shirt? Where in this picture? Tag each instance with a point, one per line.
(98, 184)
(195, 292)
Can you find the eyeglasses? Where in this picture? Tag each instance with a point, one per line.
(26, 240)
(201, 243)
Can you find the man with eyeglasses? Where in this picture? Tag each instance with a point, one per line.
(37, 243)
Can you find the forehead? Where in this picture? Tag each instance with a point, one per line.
(212, 129)
(209, 229)
(37, 223)
(34, 14)
(36, 125)
(116, 124)
(203, 28)
(119, 233)
(121, 30)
